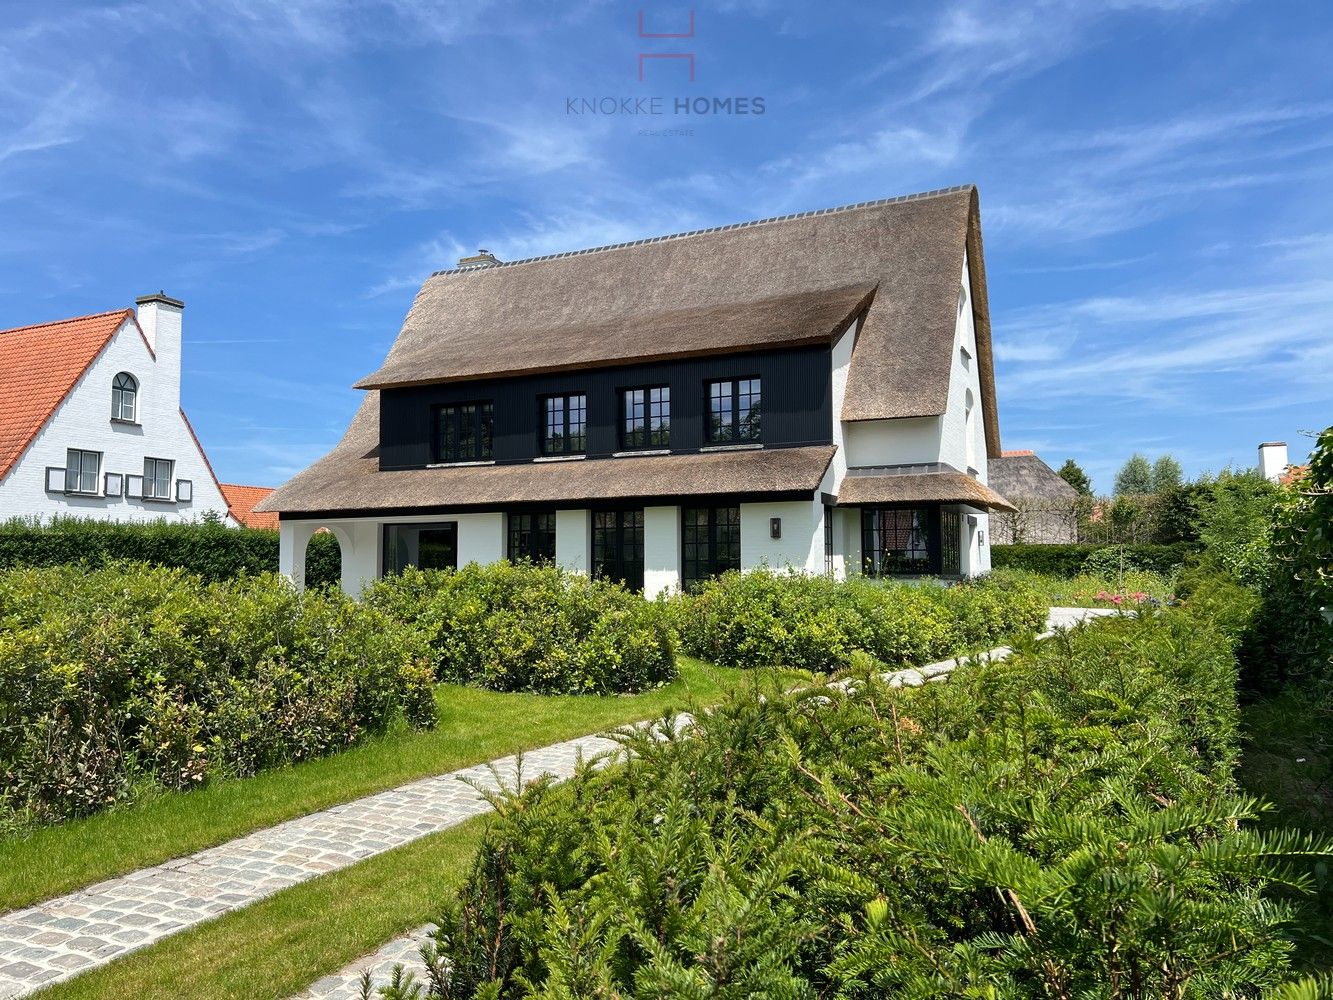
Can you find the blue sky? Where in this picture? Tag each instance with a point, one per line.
(1154, 181)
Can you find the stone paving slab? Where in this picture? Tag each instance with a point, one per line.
(346, 983)
(62, 937)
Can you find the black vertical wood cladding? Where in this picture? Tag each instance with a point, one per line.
(797, 404)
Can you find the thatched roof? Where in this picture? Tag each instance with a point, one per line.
(770, 283)
(1024, 476)
(948, 486)
(349, 479)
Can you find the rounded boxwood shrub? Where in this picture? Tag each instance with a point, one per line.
(130, 673)
(522, 627)
(763, 618)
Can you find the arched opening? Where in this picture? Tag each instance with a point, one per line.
(323, 560)
(125, 398)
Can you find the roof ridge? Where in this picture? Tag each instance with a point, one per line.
(73, 319)
(876, 203)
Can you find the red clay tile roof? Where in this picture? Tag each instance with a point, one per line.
(242, 499)
(41, 365)
(1294, 474)
(1016, 454)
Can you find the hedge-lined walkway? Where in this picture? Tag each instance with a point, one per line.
(345, 984)
(63, 937)
(44, 944)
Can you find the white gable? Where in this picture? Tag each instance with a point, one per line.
(84, 421)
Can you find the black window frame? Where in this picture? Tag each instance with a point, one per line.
(618, 546)
(566, 443)
(714, 552)
(951, 543)
(734, 429)
(392, 565)
(530, 536)
(913, 560)
(645, 436)
(482, 427)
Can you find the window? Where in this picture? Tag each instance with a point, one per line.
(895, 540)
(125, 398)
(828, 540)
(734, 411)
(617, 546)
(564, 427)
(532, 537)
(951, 543)
(82, 469)
(157, 478)
(647, 417)
(428, 546)
(711, 538)
(464, 432)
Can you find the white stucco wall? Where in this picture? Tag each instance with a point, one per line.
(83, 420)
(481, 537)
(904, 441)
(964, 378)
(661, 549)
(801, 546)
(573, 540)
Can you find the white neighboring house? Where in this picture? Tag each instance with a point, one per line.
(91, 423)
(814, 391)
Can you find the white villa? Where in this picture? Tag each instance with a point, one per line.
(813, 391)
(91, 423)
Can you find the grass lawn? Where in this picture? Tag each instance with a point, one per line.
(474, 726)
(1287, 759)
(281, 945)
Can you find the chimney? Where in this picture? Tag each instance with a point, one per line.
(483, 258)
(1273, 460)
(160, 319)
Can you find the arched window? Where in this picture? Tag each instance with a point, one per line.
(125, 398)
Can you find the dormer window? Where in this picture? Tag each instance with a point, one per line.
(125, 399)
(465, 432)
(734, 411)
(564, 424)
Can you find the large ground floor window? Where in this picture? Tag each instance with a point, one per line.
(426, 546)
(899, 541)
(532, 537)
(617, 546)
(711, 542)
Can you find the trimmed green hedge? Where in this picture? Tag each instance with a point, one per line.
(205, 548)
(520, 627)
(127, 675)
(1061, 824)
(763, 618)
(1072, 560)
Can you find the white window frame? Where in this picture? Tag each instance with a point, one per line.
(184, 490)
(81, 474)
(152, 478)
(118, 393)
(113, 484)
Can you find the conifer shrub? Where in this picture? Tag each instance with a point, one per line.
(763, 618)
(131, 675)
(522, 627)
(1061, 824)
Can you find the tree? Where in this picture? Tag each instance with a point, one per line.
(1072, 473)
(1166, 474)
(1134, 477)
